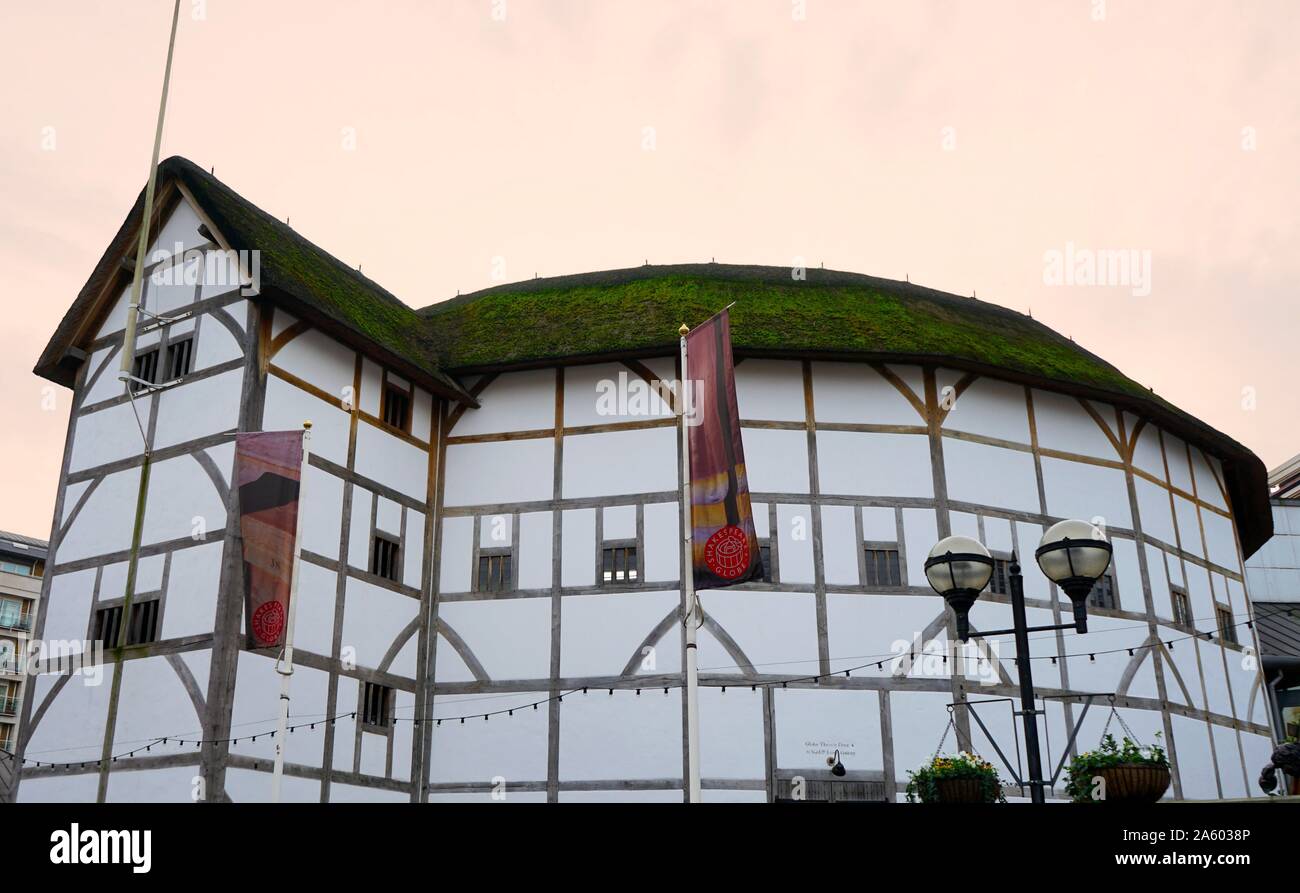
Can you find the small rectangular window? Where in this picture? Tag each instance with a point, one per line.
(882, 566)
(397, 408)
(1182, 607)
(495, 572)
(1000, 582)
(1103, 594)
(145, 368)
(1227, 629)
(143, 624)
(14, 614)
(618, 564)
(376, 706)
(180, 356)
(108, 624)
(6, 739)
(765, 555)
(383, 558)
(21, 568)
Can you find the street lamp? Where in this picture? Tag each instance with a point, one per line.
(1072, 554)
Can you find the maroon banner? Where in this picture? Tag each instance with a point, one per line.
(268, 468)
(724, 547)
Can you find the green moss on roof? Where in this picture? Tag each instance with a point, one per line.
(830, 313)
(300, 269)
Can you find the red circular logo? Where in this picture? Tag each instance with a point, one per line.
(727, 552)
(268, 621)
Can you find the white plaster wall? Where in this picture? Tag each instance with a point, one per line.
(317, 358)
(105, 522)
(372, 619)
(852, 393)
(490, 473)
(776, 461)
(1078, 490)
(457, 546)
(990, 475)
(287, 407)
(178, 784)
(517, 401)
(392, 462)
(478, 751)
(599, 634)
(1063, 424)
(321, 508)
(620, 462)
(851, 463)
(621, 736)
(811, 725)
(191, 599)
(256, 712)
(314, 622)
(198, 408)
(511, 638)
(777, 631)
(770, 390)
(663, 545)
(992, 408)
(67, 607)
(731, 733)
(72, 729)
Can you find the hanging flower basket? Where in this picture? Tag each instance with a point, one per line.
(965, 778)
(1135, 782)
(1119, 773)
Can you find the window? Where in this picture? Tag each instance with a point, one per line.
(765, 555)
(882, 566)
(383, 558)
(16, 567)
(8, 699)
(1182, 607)
(141, 629)
(108, 623)
(1227, 629)
(495, 572)
(376, 706)
(1000, 582)
(143, 624)
(1103, 594)
(13, 614)
(397, 408)
(6, 738)
(180, 356)
(8, 656)
(145, 368)
(618, 564)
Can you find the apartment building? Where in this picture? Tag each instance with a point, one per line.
(22, 564)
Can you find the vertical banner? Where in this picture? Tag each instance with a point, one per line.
(724, 547)
(268, 467)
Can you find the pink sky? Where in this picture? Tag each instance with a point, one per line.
(775, 137)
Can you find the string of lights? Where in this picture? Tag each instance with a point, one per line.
(877, 661)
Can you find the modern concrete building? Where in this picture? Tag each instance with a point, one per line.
(22, 565)
(1273, 575)
(490, 596)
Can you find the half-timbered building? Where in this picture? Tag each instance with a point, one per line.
(489, 602)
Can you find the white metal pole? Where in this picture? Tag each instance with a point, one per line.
(142, 244)
(285, 667)
(692, 619)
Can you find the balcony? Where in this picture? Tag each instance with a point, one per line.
(9, 706)
(16, 621)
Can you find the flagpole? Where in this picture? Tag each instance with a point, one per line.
(285, 667)
(127, 366)
(692, 618)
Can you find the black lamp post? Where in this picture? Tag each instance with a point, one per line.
(1072, 554)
